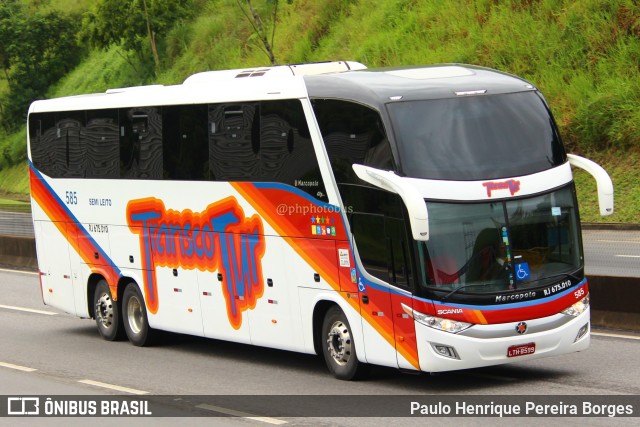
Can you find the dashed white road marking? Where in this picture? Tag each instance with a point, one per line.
(28, 310)
(245, 415)
(628, 256)
(611, 335)
(6, 270)
(17, 367)
(113, 387)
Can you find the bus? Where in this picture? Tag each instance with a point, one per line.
(422, 218)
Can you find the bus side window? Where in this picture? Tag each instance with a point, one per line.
(286, 150)
(100, 137)
(399, 252)
(368, 232)
(382, 246)
(57, 149)
(232, 145)
(380, 233)
(352, 133)
(185, 142)
(43, 133)
(69, 147)
(264, 141)
(141, 143)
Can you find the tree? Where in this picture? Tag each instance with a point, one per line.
(11, 17)
(132, 24)
(259, 29)
(36, 50)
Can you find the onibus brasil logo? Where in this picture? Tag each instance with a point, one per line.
(220, 238)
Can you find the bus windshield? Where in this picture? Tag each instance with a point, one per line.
(475, 137)
(501, 245)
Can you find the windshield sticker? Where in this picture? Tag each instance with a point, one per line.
(522, 271)
(556, 211)
(507, 246)
(343, 255)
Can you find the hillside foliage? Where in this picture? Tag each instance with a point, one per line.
(582, 54)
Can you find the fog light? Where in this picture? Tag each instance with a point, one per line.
(445, 350)
(582, 332)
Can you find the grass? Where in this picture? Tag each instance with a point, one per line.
(14, 182)
(11, 202)
(625, 174)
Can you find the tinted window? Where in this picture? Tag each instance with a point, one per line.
(42, 132)
(68, 144)
(352, 133)
(56, 146)
(100, 137)
(265, 141)
(185, 143)
(141, 143)
(234, 141)
(255, 141)
(476, 137)
(380, 232)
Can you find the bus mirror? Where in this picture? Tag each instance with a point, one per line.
(416, 206)
(603, 182)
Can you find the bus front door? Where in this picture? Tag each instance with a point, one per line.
(381, 242)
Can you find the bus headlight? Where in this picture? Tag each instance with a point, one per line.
(446, 325)
(577, 308)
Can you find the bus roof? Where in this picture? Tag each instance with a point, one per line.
(380, 86)
(339, 79)
(245, 84)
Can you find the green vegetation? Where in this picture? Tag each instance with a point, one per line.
(583, 55)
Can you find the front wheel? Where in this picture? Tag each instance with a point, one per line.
(338, 346)
(134, 314)
(107, 313)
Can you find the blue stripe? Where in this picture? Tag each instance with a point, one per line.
(511, 305)
(75, 220)
(296, 191)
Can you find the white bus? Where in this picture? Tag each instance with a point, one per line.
(419, 218)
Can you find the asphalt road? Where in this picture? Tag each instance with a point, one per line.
(45, 352)
(612, 252)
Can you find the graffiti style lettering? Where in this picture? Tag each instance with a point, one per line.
(512, 185)
(218, 239)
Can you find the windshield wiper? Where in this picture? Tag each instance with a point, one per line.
(457, 289)
(571, 276)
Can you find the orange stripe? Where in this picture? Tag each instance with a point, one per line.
(285, 229)
(62, 220)
(480, 317)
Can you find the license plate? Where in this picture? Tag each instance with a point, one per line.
(521, 350)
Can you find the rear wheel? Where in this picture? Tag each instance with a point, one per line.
(338, 346)
(134, 316)
(107, 313)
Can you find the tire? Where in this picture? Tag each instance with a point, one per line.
(107, 313)
(338, 347)
(134, 316)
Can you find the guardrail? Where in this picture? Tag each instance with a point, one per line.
(15, 220)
